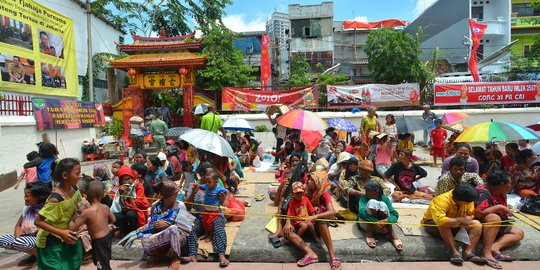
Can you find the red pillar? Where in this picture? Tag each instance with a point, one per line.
(188, 105)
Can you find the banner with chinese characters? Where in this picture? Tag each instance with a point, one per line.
(37, 50)
(265, 62)
(158, 81)
(238, 99)
(380, 95)
(487, 93)
(67, 114)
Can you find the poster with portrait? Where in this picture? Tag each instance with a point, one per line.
(37, 50)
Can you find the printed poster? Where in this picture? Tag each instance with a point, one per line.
(67, 114)
(380, 95)
(37, 50)
(487, 93)
(239, 99)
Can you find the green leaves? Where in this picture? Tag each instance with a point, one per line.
(300, 71)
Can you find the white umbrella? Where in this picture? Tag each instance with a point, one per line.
(208, 141)
(237, 124)
(200, 109)
(536, 148)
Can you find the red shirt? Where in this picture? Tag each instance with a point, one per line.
(301, 208)
(438, 135)
(175, 163)
(507, 163)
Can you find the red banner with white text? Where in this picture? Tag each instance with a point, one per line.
(487, 93)
(238, 99)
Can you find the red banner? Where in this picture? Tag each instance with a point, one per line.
(238, 99)
(477, 32)
(265, 61)
(392, 23)
(487, 93)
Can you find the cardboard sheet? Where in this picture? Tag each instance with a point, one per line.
(231, 229)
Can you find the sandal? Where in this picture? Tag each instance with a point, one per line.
(275, 241)
(471, 257)
(335, 264)
(502, 257)
(493, 264)
(456, 259)
(307, 260)
(370, 241)
(398, 245)
(259, 197)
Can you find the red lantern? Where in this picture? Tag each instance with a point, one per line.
(183, 71)
(132, 72)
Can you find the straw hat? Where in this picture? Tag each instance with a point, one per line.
(366, 165)
(344, 156)
(323, 163)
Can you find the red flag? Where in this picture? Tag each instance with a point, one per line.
(477, 32)
(265, 61)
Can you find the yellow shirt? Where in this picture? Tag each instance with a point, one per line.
(405, 145)
(369, 123)
(444, 207)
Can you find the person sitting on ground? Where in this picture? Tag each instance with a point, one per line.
(491, 207)
(525, 177)
(243, 155)
(480, 155)
(324, 150)
(24, 237)
(405, 173)
(101, 173)
(509, 159)
(523, 144)
(438, 135)
(450, 145)
(374, 206)
(359, 147)
(404, 142)
(188, 176)
(352, 189)
(285, 151)
(333, 161)
(455, 176)
(142, 175)
(156, 170)
(97, 219)
(451, 211)
(214, 197)
(300, 149)
(115, 167)
(494, 163)
(166, 165)
(129, 204)
(171, 153)
(463, 151)
(301, 208)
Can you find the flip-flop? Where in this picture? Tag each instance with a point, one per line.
(275, 241)
(335, 264)
(396, 243)
(307, 261)
(493, 264)
(371, 242)
(471, 257)
(456, 259)
(502, 257)
(259, 197)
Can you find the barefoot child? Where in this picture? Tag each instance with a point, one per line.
(300, 206)
(97, 218)
(57, 246)
(214, 197)
(188, 176)
(438, 135)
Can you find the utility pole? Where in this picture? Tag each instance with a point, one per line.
(90, 69)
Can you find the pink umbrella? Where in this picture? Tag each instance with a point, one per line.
(302, 120)
(311, 139)
(449, 118)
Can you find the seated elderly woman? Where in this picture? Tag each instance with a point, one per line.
(164, 234)
(374, 206)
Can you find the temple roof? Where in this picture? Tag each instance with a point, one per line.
(170, 60)
(158, 46)
(162, 37)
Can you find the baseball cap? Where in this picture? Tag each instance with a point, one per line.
(170, 142)
(297, 187)
(162, 156)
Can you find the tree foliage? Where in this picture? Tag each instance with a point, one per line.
(300, 71)
(145, 16)
(526, 68)
(224, 62)
(394, 57)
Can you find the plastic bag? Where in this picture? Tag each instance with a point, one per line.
(463, 237)
(256, 162)
(531, 205)
(235, 209)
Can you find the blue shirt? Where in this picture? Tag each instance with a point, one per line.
(44, 170)
(212, 196)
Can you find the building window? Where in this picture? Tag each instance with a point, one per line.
(525, 10)
(307, 31)
(480, 52)
(477, 13)
(121, 39)
(526, 50)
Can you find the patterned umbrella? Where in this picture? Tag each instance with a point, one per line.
(342, 124)
(175, 132)
(302, 120)
(237, 124)
(200, 109)
(497, 131)
(208, 141)
(449, 118)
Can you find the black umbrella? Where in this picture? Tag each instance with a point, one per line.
(175, 132)
(410, 124)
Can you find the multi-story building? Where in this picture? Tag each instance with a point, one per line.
(349, 52)
(250, 44)
(525, 26)
(278, 27)
(445, 26)
(312, 33)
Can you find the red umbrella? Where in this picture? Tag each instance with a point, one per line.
(311, 139)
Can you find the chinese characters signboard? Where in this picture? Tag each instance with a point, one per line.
(158, 81)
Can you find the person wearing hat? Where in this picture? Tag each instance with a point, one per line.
(161, 235)
(129, 204)
(375, 206)
(428, 116)
(353, 188)
(335, 170)
(167, 166)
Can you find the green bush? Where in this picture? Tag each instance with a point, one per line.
(115, 128)
(261, 128)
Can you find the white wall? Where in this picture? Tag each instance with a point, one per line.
(19, 135)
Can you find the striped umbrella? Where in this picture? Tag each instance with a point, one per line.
(449, 118)
(302, 120)
(342, 124)
(496, 131)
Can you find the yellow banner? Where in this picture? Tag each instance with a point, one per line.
(158, 81)
(37, 50)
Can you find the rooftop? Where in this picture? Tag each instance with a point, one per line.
(169, 60)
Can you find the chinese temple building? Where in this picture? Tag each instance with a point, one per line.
(158, 63)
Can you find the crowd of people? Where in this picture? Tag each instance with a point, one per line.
(183, 194)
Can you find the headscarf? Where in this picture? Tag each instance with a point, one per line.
(373, 185)
(323, 185)
(167, 188)
(101, 172)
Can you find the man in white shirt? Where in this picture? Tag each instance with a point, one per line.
(136, 128)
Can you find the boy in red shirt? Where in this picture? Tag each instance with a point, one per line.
(438, 136)
(301, 207)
